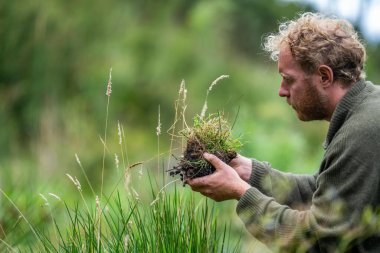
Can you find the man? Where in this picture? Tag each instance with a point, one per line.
(321, 63)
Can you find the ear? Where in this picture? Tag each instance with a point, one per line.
(326, 75)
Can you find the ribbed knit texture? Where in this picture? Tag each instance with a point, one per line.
(314, 212)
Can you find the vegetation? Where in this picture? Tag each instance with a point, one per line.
(212, 135)
(171, 222)
(54, 59)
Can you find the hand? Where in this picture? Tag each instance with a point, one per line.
(225, 183)
(243, 166)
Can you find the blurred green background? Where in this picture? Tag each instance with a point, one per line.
(55, 58)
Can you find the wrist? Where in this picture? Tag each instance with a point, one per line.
(244, 186)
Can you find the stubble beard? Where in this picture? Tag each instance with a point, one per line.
(312, 105)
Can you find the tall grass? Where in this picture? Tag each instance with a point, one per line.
(175, 223)
(169, 220)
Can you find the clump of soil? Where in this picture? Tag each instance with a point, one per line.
(212, 135)
(193, 164)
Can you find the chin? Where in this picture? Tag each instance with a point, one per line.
(304, 117)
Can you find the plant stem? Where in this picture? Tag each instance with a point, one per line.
(21, 214)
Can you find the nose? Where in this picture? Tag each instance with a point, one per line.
(283, 92)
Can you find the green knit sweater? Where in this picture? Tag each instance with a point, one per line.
(333, 210)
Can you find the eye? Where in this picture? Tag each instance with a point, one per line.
(287, 80)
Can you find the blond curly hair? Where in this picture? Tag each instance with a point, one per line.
(315, 39)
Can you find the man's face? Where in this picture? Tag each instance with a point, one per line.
(302, 91)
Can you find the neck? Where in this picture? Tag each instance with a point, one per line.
(336, 93)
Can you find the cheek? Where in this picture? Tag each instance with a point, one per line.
(296, 91)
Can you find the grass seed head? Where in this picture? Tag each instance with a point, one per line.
(109, 85)
(45, 199)
(78, 161)
(117, 161)
(55, 196)
(119, 133)
(158, 128)
(75, 181)
(216, 81)
(181, 87)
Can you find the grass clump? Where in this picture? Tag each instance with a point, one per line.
(174, 222)
(212, 134)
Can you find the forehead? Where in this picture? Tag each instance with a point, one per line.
(286, 62)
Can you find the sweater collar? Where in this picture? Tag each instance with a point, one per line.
(343, 108)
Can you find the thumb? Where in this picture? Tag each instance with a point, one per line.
(214, 160)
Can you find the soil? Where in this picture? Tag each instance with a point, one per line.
(190, 166)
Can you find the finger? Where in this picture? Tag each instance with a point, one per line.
(236, 159)
(196, 184)
(214, 160)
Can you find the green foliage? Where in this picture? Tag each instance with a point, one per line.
(52, 65)
(214, 133)
(247, 28)
(54, 54)
(172, 222)
(54, 57)
(127, 224)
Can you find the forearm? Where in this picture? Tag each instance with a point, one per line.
(280, 226)
(285, 188)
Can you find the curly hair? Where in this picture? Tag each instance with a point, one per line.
(315, 39)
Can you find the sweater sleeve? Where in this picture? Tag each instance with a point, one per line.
(286, 188)
(343, 191)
